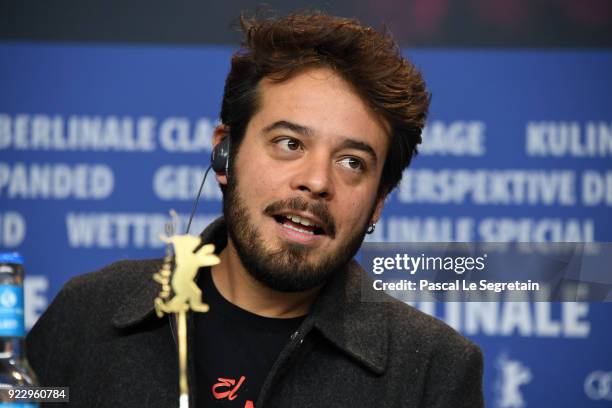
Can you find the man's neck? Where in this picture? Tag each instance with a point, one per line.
(239, 287)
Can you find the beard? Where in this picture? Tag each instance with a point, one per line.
(288, 268)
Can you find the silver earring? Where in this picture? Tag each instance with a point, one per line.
(371, 228)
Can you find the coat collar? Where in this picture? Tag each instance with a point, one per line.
(357, 327)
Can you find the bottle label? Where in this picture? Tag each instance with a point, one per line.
(11, 311)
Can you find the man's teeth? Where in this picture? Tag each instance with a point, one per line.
(300, 220)
(303, 231)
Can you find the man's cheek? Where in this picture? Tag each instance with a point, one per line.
(350, 225)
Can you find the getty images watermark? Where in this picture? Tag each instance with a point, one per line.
(488, 271)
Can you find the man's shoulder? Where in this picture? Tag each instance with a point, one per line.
(448, 365)
(104, 292)
(410, 327)
(78, 322)
(113, 280)
(407, 326)
(88, 302)
(444, 367)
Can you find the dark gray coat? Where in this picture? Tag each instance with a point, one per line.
(101, 338)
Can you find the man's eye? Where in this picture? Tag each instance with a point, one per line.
(288, 144)
(352, 163)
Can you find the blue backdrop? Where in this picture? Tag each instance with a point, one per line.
(98, 142)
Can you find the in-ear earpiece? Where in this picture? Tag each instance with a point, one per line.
(219, 158)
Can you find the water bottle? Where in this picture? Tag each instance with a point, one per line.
(14, 368)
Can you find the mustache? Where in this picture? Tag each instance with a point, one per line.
(319, 209)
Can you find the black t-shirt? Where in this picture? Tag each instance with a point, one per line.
(234, 349)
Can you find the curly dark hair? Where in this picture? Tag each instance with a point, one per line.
(278, 48)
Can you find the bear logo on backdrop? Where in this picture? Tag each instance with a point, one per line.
(512, 374)
(598, 385)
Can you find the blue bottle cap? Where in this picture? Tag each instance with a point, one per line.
(11, 258)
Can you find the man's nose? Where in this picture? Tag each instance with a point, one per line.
(315, 178)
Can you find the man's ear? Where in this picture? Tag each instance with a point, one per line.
(380, 203)
(221, 131)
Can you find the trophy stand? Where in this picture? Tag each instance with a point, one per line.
(180, 294)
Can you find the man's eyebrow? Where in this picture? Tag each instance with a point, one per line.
(294, 127)
(359, 145)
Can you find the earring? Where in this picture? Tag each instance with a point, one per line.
(371, 228)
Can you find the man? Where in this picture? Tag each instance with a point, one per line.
(320, 116)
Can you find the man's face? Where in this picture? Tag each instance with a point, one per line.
(302, 189)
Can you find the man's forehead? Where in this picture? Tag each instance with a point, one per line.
(323, 102)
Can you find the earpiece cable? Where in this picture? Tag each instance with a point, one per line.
(195, 203)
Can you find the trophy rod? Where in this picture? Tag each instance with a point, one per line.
(183, 384)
